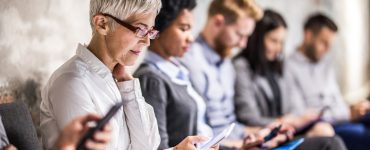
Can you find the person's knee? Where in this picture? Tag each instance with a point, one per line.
(321, 129)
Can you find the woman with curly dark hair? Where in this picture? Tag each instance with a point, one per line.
(178, 108)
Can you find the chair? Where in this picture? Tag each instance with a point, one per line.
(19, 126)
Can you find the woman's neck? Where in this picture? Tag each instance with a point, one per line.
(157, 48)
(99, 48)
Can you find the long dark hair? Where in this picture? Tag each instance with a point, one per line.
(255, 51)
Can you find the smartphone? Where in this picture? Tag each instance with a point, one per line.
(218, 138)
(99, 125)
(309, 125)
(274, 132)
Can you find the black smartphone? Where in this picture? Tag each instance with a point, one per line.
(274, 132)
(99, 125)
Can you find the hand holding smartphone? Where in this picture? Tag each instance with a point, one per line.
(218, 138)
(309, 125)
(274, 132)
(99, 126)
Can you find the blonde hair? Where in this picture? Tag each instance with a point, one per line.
(234, 9)
(123, 9)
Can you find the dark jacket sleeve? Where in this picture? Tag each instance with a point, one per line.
(154, 92)
(3, 137)
(247, 109)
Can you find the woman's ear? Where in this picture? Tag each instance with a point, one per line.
(100, 24)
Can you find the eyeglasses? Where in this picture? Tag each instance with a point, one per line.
(140, 32)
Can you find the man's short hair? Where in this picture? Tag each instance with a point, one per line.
(317, 21)
(123, 9)
(234, 9)
(170, 10)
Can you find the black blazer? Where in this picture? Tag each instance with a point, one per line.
(174, 108)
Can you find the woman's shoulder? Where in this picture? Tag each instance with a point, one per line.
(71, 71)
(149, 74)
(240, 62)
(241, 65)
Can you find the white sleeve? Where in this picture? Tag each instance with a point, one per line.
(69, 98)
(140, 118)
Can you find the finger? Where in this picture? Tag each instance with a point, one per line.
(107, 128)
(102, 137)
(215, 147)
(87, 118)
(252, 144)
(196, 139)
(118, 69)
(94, 145)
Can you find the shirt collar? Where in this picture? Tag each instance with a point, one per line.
(94, 63)
(171, 68)
(209, 53)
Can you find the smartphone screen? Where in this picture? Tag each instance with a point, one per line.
(218, 138)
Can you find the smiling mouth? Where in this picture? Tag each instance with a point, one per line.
(136, 52)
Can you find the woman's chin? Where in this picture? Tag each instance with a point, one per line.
(130, 63)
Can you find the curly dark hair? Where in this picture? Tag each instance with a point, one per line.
(170, 10)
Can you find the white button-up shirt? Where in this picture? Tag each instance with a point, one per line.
(85, 85)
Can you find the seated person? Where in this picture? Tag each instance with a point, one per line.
(179, 109)
(260, 96)
(95, 78)
(312, 83)
(71, 135)
(213, 76)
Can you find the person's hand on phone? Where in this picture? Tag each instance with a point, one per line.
(120, 74)
(73, 132)
(252, 142)
(299, 121)
(188, 143)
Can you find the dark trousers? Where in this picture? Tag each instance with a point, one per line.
(322, 143)
(356, 136)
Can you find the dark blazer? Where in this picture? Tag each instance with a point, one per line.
(175, 109)
(252, 93)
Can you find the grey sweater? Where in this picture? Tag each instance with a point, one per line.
(252, 93)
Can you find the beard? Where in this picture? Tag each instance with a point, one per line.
(310, 53)
(222, 49)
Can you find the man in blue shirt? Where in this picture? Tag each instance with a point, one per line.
(209, 60)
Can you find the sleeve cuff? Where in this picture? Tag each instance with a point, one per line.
(130, 90)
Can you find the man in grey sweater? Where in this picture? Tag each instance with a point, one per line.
(312, 82)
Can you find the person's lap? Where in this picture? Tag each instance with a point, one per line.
(355, 135)
(322, 143)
